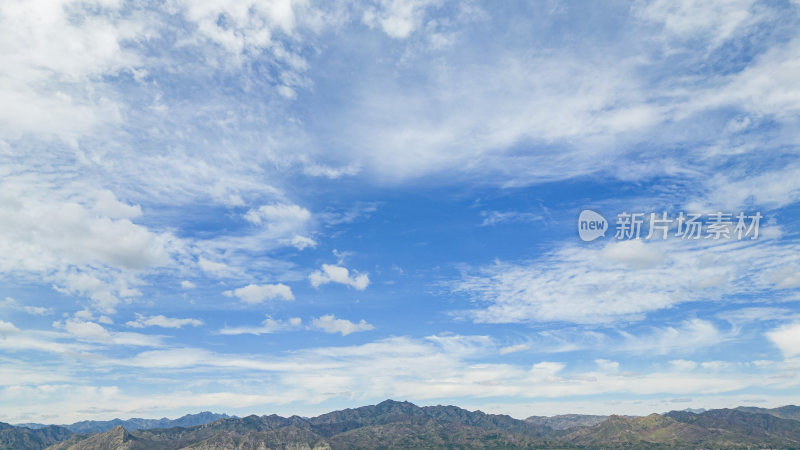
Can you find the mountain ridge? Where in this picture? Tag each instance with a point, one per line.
(135, 423)
(397, 424)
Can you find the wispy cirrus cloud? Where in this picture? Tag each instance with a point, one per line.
(268, 326)
(621, 280)
(162, 321)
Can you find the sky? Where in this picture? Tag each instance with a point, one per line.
(297, 206)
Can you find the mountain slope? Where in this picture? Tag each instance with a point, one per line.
(98, 426)
(739, 427)
(565, 421)
(721, 428)
(784, 412)
(117, 438)
(653, 430)
(392, 424)
(24, 438)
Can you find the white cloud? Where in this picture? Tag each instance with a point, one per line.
(268, 326)
(497, 217)
(278, 216)
(437, 367)
(108, 204)
(767, 86)
(756, 314)
(690, 19)
(787, 339)
(337, 274)
(73, 246)
(254, 293)
(769, 189)
(633, 253)
(622, 280)
(469, 120)
(689, 336)
(463, 346)
(514, 348)
(318, 170)
(247, 26)
(105, 320)
(95, 333)
(507, 117)
(302, 242)
(397, 18)
(330, 324)
(48, 87)
(162, 321)
(10, 303)
(607, 366)
(89, 331)
(277, 225)
(787, 277)
(60, 344)
(213, 267)
(37, 310)
(7, 328)
(715, 365)
(683, 365)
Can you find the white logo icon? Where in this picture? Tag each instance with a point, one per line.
(591, 225)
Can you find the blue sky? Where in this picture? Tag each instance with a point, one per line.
(295, 206)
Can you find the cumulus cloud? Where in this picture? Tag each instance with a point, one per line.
(254, 293)
(330, 273)
(397, 18)
(109, 205)
(74, 246)
(7, 328)
(302, 242)
(330, 324)
(69, 231)
(787, 339)
(162, 321)
(213, 267)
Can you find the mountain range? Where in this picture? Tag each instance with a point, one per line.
(393, 424)
(95, 426)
